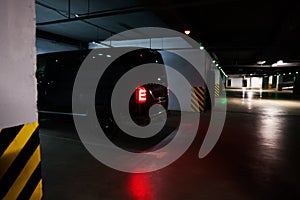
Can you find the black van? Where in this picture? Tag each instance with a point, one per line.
(56, 73)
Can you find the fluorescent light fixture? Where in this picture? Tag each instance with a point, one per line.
(261, 62)
(288, 87)
(279, 63)
(201, 47)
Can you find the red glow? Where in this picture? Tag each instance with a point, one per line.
(141, 95)
(140, 187)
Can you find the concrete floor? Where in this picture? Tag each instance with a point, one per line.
(256, 157)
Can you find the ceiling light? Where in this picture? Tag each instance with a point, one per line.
(278, 63)
(201, 47)
(261, 62)
(187, 31)
(76, 15)
(297, 72)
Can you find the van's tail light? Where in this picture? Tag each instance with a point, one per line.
(141, 95)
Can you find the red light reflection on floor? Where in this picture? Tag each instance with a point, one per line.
(140, 187)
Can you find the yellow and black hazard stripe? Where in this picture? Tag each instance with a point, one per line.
(198, 99)
(20, 163)
(217, 90)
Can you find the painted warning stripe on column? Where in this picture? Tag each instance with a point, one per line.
(217, 90)
(198, 99)
(20, 163)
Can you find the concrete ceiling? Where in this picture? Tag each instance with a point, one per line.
(234, 32)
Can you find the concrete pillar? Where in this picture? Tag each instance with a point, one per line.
(265, 82)
(297, 85)
(279, 83)
(20, 159)
(274, 81)
(270, 82)
(210, 98)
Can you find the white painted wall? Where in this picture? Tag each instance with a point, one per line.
(256, 82)
(18, 63)
(236, 82)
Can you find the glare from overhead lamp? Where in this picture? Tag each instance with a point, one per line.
(278, 63)
(297, 72)
(201, 46)
(76, 15)
(187, 31)
(261, 62)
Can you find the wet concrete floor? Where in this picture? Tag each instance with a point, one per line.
(256, 157)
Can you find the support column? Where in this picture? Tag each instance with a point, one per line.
(279, 83)
(274, 81)
(270, 82)
(265, 82)
(297, 85)
(20, 157)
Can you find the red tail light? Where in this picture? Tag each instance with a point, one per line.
(141, 95)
